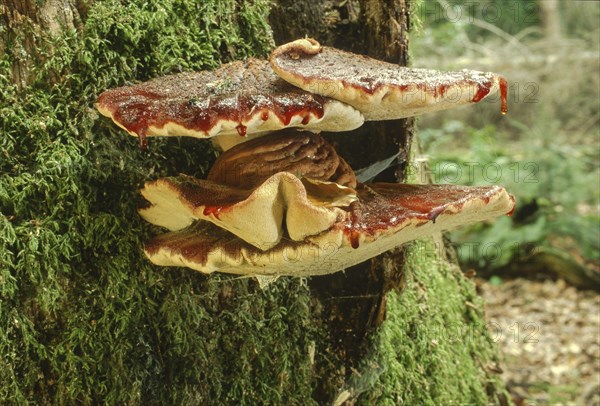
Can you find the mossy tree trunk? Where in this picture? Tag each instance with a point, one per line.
(27, 26)
(84, 318)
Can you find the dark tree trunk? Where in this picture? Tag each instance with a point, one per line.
(353, 302)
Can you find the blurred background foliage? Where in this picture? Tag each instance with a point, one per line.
(545, 151)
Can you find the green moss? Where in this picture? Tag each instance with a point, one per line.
(433, 348)
(416, 16)
(83, 316)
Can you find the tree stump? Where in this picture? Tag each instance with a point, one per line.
(85, 318)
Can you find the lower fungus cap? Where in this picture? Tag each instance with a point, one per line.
(283, 206)
(288, 184)
(385, 216)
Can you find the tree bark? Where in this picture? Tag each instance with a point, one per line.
(30, 24)
(353, 301)
(550, 19)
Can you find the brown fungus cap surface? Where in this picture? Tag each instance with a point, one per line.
(238, 99)
(380, 90)
(301, 153)
(385, 216)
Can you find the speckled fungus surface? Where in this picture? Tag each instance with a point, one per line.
(240, 99)
(286, 203)
(380, 90)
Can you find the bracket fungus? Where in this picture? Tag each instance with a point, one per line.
(283, 184)
(286, 203)
(384, 216)
(380, 90)
(239, 99)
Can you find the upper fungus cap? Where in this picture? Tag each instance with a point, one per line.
(238, 99)
(380, 90)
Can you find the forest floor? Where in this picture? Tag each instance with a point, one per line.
(549, 336)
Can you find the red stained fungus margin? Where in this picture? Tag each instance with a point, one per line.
(199, 101)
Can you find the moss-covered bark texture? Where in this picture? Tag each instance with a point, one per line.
(86, 319)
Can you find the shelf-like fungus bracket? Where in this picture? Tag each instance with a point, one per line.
(380, 90)
(235, 101)
(385, 216)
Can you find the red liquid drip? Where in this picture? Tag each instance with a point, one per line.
(265, 116)
(306, 119)
(503, 96)
(354, 239)
(351, 227)
(130, 108)
(442, 90)
(482, 91)
(241, 129)
(215, 211)
(303, 105)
